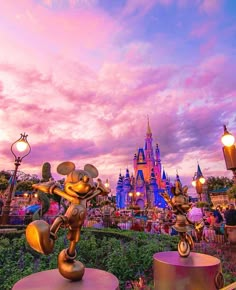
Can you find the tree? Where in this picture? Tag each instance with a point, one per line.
(5, 174)
(3, 183)
(4, 180)
(215, 183)
(25, 185)
(232, 192)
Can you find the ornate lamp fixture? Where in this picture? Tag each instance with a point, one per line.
(198, 181)
(107, 185)
(20, 149)
(229, 151)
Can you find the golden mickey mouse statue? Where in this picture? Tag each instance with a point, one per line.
(79, 189)
(180, 206)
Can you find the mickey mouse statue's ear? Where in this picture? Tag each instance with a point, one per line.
(92, 170)
(65, 168)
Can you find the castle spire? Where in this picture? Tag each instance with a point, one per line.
(149, 132)
(199, 171)
(164, 175)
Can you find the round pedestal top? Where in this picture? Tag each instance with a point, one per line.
(52, 280)
(194, 259)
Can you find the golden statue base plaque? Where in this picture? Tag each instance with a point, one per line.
(52, 280)
(195, 272)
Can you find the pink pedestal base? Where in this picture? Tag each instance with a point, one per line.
(52, 280)
(196, 272)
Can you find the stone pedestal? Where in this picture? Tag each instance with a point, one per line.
(196, 272)
(52, 280)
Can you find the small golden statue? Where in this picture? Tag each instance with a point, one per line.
(78, 190)
(180, 206)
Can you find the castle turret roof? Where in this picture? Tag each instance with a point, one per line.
(149, 132)
(164, 175)
(199, 172)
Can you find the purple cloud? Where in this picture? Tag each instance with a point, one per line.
(80, 80)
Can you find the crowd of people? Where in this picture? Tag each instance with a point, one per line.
(213, 222)
(158, 221)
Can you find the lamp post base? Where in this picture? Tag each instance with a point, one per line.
(196, 272)
(52, 280)
(5, 214)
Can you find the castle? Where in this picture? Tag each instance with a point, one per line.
(144, 187)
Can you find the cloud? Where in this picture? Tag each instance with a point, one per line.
(202, 29)
(210, 7)
(80, 81)
(140, 7)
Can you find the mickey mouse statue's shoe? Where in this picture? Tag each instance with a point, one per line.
(39, 237)
(69, 267)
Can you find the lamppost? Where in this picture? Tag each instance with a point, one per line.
(20, 149)
(198, 181)
(229, 151)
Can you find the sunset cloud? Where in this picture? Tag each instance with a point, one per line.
(80, 78)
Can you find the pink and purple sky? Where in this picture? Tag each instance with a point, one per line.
(81, 76)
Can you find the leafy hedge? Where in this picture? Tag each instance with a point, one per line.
(126, 254)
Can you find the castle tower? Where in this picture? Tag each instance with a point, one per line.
(148, 180)
(158, 166)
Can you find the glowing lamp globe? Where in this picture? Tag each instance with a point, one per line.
(107, 183)
(21, 146)
(138, 193)
(227, 139)
(194, 183)
(202, 180)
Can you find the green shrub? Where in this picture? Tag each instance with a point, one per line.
(126, 254)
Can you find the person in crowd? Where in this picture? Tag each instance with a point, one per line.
(230, 215)
(208, 233)
(209, 219)
(148, 227)
(156, 228)
(165, 229)
(219, 223)
(137, 226)
(117, 213)
(154, 216)
(168, 215)
(218, 217)
(160, 215)
(107, 211)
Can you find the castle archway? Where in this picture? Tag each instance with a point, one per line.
(140, 202)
